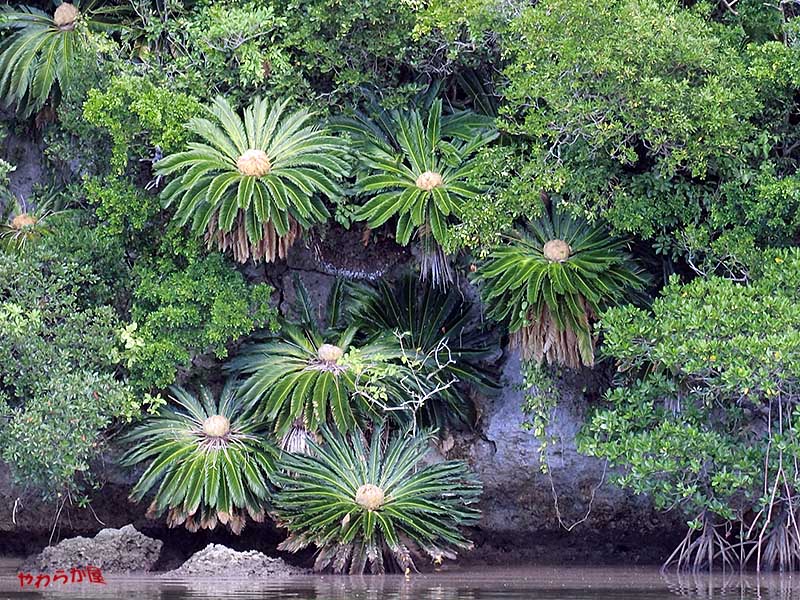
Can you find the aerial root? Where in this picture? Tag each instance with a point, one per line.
(699, 551)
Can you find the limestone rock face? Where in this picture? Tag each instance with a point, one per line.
(518, 504)
(217, 560)
(111, 550)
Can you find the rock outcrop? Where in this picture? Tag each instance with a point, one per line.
(216, 560)
(122, 550)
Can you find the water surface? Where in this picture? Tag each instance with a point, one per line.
(534, 583)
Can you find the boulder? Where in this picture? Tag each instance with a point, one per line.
(112, 550)
(216, 560)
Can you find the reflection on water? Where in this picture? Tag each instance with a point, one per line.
(734, 585)
(534, 583)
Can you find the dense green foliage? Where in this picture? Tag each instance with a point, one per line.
(179, 314)
(561, 156)
(209, 459)
(658, 118)
(360, 505)
(139, 115)
(59, 351)
(52, 441)
(704, 416)
(320, 50)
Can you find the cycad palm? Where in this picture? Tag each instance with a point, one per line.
(24, 225)
(251, 185)
(210, 457)
(359, 504)
(418, 167)
(307, 376)
(39, 52)
(549, 281)
(437, 330)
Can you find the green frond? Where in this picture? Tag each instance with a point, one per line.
(550, 302)
(205, 473)
(438, 332)
(354, 502)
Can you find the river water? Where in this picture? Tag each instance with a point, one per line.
(535, 583)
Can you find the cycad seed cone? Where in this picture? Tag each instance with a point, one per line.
(556, 250)
(23, 220)
(216, 426)
(254, 163)
(369, 496)
(329, 353)
(65, 16)
(429, 180)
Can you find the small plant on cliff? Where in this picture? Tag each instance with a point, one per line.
(436, 330)
(360, 506)
(39, 52)
(549, 282)
(210, 457)
(251, 185)
(417, 167)
(23, 226)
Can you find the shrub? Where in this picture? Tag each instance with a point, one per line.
(360, 506)
(209, 459)
(251, 186)
(656, 118)
(59, 353)
(122, 208)
(52, 440)
(703, 414)
(143, 119)
(180, 313)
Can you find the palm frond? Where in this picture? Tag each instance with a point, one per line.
(256, 183)
(549, 281)
(360, 504)
(438, 333)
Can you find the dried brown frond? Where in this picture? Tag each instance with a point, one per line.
(543, 341)
(271, 247)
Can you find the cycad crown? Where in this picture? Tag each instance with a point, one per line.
(37, 54)
(550, 280)
(358, 505)
(252, 185)
(302, 379)
(24, 225)
(211, 458)
(418, 167)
